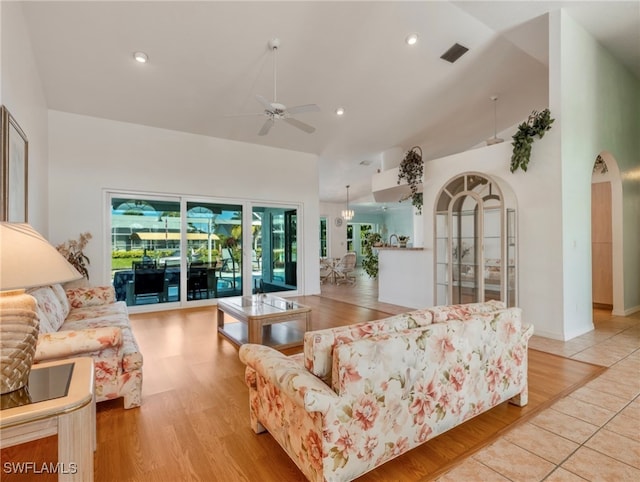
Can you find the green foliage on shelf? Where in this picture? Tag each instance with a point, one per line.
(536, 125)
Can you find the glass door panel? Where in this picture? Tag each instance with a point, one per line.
(290, 247)
(213, 258)
(275, 250)
(145, 249)
(492, 254)
(464, 247)
(442, 258)
(323, 237)
(511, 257)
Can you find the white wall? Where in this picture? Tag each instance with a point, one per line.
(89, 156)
(22, 94)
(597, 104)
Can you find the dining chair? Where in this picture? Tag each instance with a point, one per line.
(326, 270)
(345, 268)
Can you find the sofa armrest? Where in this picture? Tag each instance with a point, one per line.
(290, 377)
(94, 296)
(69, 343)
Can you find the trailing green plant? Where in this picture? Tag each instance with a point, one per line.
(370, 257)
(536, 125)
(411, 169)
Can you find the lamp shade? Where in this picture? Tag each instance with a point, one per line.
(28, 260)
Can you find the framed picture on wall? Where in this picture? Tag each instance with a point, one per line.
(13, 169)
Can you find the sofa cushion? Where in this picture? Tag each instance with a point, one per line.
(91, 296)
(50, 311)
(111, 310)
(460, 312)
(62, 296)
(319, 344)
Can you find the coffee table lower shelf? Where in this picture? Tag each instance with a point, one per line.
(281, 335)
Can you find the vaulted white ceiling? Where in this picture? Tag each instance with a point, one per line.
(208, 60)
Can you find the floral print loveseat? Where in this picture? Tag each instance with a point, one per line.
(363, 394)
(90, 322)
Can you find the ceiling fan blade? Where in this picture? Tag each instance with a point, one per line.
(300, 125)
(266, 127)
(265, 103)
(298, 109)
(248, 114)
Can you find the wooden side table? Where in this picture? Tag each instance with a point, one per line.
(60, 401)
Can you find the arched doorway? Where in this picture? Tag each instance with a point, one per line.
(475, 242)
(606, 234)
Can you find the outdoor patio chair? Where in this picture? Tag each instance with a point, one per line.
(145, 264)
(147, 283)
(229, 265)
(198, 281)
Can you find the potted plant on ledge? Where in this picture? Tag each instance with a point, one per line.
(411, 169)
(370, 256)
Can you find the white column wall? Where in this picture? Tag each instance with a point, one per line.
(90, 156)
(596, 100)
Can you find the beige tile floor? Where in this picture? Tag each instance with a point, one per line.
(593, 434)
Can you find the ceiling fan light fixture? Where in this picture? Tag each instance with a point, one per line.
(141, 57)
(276, 111)
(411, 39)
(348, 213)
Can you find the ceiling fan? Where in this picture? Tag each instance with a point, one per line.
(275, 110)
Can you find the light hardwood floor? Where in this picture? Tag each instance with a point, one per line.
(193, 424)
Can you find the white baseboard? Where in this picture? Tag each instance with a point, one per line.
(626, 312)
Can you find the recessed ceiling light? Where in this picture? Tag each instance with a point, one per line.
(411, 39)
(340, 111)
(141, 57)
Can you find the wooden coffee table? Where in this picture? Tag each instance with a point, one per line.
(264, 319)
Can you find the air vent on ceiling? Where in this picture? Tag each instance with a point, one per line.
(454, 53)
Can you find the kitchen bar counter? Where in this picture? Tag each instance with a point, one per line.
(403, 278)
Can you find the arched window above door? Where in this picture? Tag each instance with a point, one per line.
(475, 242)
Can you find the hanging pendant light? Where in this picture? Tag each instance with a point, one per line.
(347, 213)
(495, 139)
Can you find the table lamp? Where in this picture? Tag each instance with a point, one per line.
(26, 260)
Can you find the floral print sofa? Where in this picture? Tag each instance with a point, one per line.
(89, 322)
(363, 394)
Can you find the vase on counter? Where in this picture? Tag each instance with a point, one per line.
(402, 241)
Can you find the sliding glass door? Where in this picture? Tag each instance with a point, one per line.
(172, 249)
